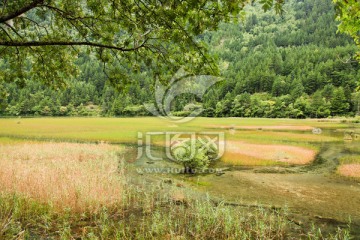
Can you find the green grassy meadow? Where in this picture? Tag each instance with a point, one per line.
(124, 130)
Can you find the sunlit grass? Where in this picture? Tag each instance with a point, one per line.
(278, 136)
(348, 159)
(124, 130)
(12, 141)
(246, 160)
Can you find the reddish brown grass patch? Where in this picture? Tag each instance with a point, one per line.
(69, 175)
(350, 170)
(260, 154)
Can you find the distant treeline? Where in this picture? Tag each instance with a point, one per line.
(294, 65)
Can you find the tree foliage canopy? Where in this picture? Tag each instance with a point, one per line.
(348, 12)
(40, 38)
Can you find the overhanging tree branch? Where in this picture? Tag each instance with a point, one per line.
(64, 43)
(20, 11)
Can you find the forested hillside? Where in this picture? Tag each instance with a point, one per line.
(294, 65)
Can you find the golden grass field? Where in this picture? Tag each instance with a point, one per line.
(69, 175)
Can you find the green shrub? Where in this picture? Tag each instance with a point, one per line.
(194, 155)
(180, 114)
(135, 110)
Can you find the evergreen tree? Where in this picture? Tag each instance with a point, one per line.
(339, 104)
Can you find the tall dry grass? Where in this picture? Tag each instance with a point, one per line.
(67, 175)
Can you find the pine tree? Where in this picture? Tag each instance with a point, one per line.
(339, 104)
